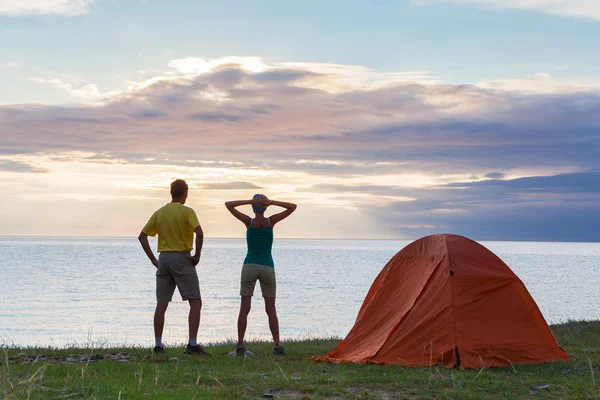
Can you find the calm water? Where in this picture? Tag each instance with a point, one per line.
(65, 291)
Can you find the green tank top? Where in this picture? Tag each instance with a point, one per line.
(260, 242)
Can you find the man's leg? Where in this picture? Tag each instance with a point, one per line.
(194, 319)
(243, 318)
(159, 320)
(273, 321)
(165, 285)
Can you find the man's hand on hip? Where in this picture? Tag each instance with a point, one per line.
(195, 259)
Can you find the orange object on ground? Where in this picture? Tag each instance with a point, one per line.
(445, 299)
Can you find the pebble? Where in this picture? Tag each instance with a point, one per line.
(75, 359)
(248, 353)
(539, 387)
(78, 359)
(121, 357)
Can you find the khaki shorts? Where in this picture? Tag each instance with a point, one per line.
(266, 276)
(175, 270)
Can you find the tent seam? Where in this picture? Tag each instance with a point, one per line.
(452, 301)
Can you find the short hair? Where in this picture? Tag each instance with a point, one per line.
(178, 188)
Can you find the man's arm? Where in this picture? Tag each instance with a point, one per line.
(143, 238)
(199, 242)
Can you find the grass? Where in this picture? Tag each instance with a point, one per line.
(26, 374)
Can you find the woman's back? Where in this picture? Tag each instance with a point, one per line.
(260, 242)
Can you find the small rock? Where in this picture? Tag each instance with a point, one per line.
(295, 378)
(567, 370)
(173, 359)
(248, 353)
(589, 350)
(121, 356)
(539, 387)
(268, 395)
(96, 357)
(75, 359)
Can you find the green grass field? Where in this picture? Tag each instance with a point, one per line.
(41, 373)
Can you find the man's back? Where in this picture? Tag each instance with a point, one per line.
(174, 223)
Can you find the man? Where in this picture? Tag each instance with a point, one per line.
(175, 225)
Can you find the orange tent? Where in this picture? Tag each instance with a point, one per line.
(445, 299)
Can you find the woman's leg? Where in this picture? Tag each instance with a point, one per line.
(243, 318)
(273, 321)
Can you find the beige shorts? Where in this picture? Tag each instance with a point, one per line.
(266, 276)
(175, 270)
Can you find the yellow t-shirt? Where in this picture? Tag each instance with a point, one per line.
(174, 223)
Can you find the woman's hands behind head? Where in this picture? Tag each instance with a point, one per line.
(261, 201)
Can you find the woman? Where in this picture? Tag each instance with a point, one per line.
(258, 264)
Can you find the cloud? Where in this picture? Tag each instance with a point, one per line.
(541, 83)
(216, 117)
(230, 186)
(406, 157)
(552, 208)
(335, 78)
(588, 9)
(494, 175)
(395, 129)
(88, 92)
(16, 166)
(59, 7)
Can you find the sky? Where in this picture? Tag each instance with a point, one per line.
(380, 119)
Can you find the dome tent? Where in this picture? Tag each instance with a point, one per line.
(445, 299)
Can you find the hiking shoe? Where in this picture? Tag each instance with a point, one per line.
(189, 349)
(240, 351)
(158, 349)
(279, 351)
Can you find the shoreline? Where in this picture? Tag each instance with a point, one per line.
(98, 345)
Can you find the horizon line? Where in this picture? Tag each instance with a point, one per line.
(295, 238)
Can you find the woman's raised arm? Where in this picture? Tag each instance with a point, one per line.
(289, 208)
(231, 205)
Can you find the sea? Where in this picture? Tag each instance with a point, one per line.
(62, 292)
